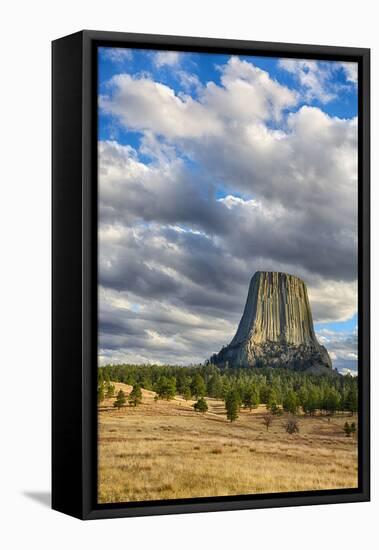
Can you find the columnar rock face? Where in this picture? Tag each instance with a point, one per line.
(276, 328)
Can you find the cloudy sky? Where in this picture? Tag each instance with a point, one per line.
(212, 167)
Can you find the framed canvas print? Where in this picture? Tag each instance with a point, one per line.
(210, 274)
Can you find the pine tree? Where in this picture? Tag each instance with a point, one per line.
(135, 396)
(187, 393)
(110, 389)
(272, 403)
(100, 377)
(250, 398)
(120, 400)
(312, 401)
(215, 386)
(232, 405)
(332, 400)
(198, 386)
(201, 405)
(106, 377)
(275, 409)
(183, 383)
(351, 401)
(166, 387)
(100, 393)
(291, 402)
(264, 393)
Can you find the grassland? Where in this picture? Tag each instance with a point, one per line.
(165, 450)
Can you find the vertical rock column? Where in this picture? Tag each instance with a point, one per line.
(277, 317)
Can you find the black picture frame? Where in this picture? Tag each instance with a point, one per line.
(74, 273)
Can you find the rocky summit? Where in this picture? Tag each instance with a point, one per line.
(276, 329)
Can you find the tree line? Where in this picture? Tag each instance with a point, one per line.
(279, 389)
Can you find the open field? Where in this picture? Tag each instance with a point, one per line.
(163, 450)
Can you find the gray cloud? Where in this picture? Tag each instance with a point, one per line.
(342, 348)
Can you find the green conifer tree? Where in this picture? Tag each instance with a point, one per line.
(120, 400)
(110, 390)
(100, 393)
(291, 402)
(187, 393)
(232, 405)
(198, 386)
(201, 405)
(250, 397)
(135, 396)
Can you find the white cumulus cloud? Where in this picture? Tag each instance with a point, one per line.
(169, 58)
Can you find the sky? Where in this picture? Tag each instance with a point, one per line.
(212, 167)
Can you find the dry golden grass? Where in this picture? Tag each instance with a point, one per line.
(165, 450)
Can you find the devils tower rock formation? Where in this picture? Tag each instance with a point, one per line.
(276, 328)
